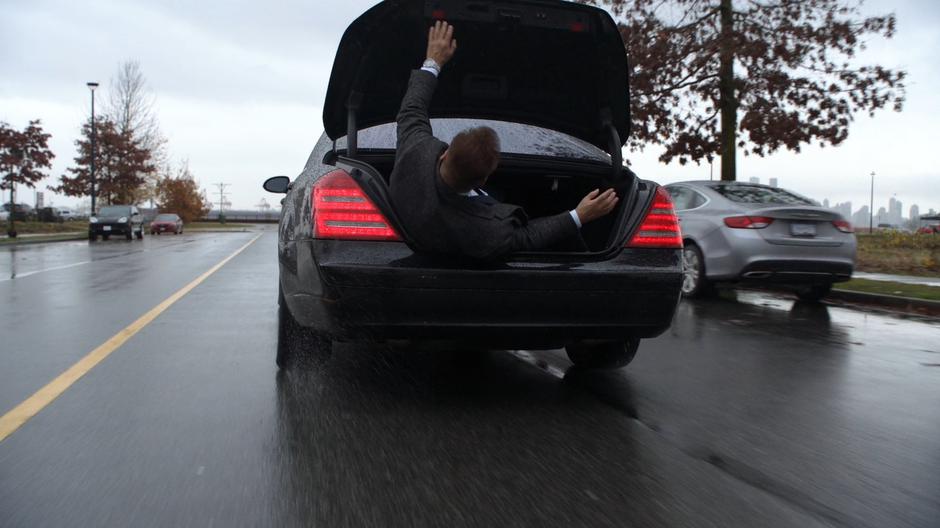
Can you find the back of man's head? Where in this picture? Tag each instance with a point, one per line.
(471, 157)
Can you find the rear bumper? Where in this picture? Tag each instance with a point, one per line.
(383, 291)
(744, 255)
(797, 271)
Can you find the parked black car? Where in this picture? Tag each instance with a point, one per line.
(116, 220)
(49, 214)
(551, 79)
(21, 212)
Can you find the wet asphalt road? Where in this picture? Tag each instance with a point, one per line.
(755, 411)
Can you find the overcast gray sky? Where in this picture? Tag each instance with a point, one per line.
(239, 87)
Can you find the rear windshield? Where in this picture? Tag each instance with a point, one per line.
(758, 194)
(514, 138)
(114, 210)
(165, 218)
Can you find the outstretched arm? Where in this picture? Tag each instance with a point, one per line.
(413, 122)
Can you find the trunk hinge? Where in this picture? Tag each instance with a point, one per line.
(614, 143)
(352, 129)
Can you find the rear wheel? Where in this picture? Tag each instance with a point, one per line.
(297, 346)
(140, 234)
(813, 293)
(611, 355)
(129, 235)
(92, 237)
(694, 282)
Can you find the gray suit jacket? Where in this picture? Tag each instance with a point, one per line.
(436, 218)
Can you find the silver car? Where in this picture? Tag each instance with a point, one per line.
(747, 232)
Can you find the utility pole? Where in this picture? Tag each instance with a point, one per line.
(94, 153)
(871, 206)
(221, 193)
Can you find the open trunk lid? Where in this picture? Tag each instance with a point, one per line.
(553, 64)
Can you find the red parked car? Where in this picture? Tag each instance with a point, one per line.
(166, 223)
(931, 225)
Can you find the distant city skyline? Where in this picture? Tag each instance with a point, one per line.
(892, 213)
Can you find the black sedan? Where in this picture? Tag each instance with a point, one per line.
(554, 87)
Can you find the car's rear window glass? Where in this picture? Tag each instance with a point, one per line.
(685, 198)
(760, 195)
(514, 138)
(112, 210)
(165, 218)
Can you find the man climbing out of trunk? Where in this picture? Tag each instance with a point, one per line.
(436, 187)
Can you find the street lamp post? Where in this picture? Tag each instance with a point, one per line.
(94, 153)
(871, 206)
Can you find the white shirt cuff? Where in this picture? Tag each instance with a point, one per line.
(574, 216)
(431, 65)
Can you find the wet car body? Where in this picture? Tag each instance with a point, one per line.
(746, 232)
(123, 220)
(381, 289)
(166, 223)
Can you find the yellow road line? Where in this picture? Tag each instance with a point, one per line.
(20, 414)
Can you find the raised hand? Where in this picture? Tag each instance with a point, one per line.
(441, 42)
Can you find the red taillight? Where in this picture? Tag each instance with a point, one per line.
(660, 227)
(844, 226)
(341, 210)
(748, 222)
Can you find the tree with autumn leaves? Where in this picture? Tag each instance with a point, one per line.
(180, 194)
(711, 76)
(23, 156)
(122, 164)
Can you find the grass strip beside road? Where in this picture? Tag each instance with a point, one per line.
(897, 289)
(16, 417)
(43, 238)
(36, 228)
(899, 253)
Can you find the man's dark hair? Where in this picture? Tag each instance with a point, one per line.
(472, 156)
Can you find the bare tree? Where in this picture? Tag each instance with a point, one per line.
(131, 108)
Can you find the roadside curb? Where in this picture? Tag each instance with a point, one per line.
(893, 301)
(40, 240)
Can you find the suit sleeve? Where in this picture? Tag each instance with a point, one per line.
(543, 233)
(413, 123)
(514, 236)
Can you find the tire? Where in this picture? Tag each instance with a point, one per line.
(140, 234)
(612, 355)
(694, 282)
(153, 233)
(129, 235)
(299, 347)
(92, 237)
(813, 293)
(105, 237)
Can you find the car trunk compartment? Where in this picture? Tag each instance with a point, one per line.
(541, 188)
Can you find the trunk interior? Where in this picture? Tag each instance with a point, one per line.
(544, 191)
